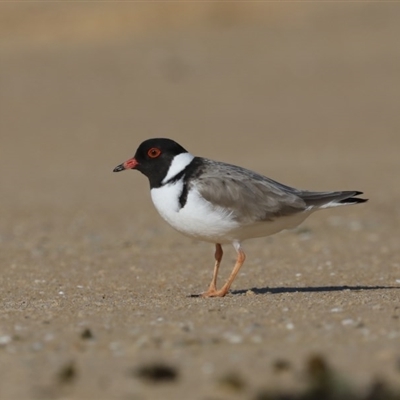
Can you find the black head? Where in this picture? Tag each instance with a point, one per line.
(153, 159)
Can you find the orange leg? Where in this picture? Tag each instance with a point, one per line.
(213, 285)
(225, 289)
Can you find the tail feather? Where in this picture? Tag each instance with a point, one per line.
(331, 199)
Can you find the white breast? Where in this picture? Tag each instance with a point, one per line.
(197, 219)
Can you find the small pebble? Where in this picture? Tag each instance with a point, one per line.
(233, 338)
(87, 334)
(233, 382)
(67, 373)
(281, 365)
(157, 373)
(348, 321)
(256, 339)
(4, 340)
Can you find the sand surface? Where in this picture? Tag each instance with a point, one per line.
(95, 286)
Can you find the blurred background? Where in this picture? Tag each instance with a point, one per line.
(303, 92)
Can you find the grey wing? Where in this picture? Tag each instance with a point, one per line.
(248, 196)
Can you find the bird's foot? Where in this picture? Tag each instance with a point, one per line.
(214, 293)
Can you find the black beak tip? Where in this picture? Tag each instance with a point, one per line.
(119, 168)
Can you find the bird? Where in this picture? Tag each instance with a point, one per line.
(221, 203)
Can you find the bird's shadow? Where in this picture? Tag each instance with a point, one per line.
(311, 289)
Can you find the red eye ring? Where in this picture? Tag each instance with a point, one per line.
(154, 152)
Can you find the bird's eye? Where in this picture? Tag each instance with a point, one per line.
(154, 152)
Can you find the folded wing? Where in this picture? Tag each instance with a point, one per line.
(251, 197)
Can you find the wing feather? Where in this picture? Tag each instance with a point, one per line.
(248, 196)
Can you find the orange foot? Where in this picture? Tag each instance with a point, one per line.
(215, 293)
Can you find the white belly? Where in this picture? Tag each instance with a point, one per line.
(197, 219)
(200, 220)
